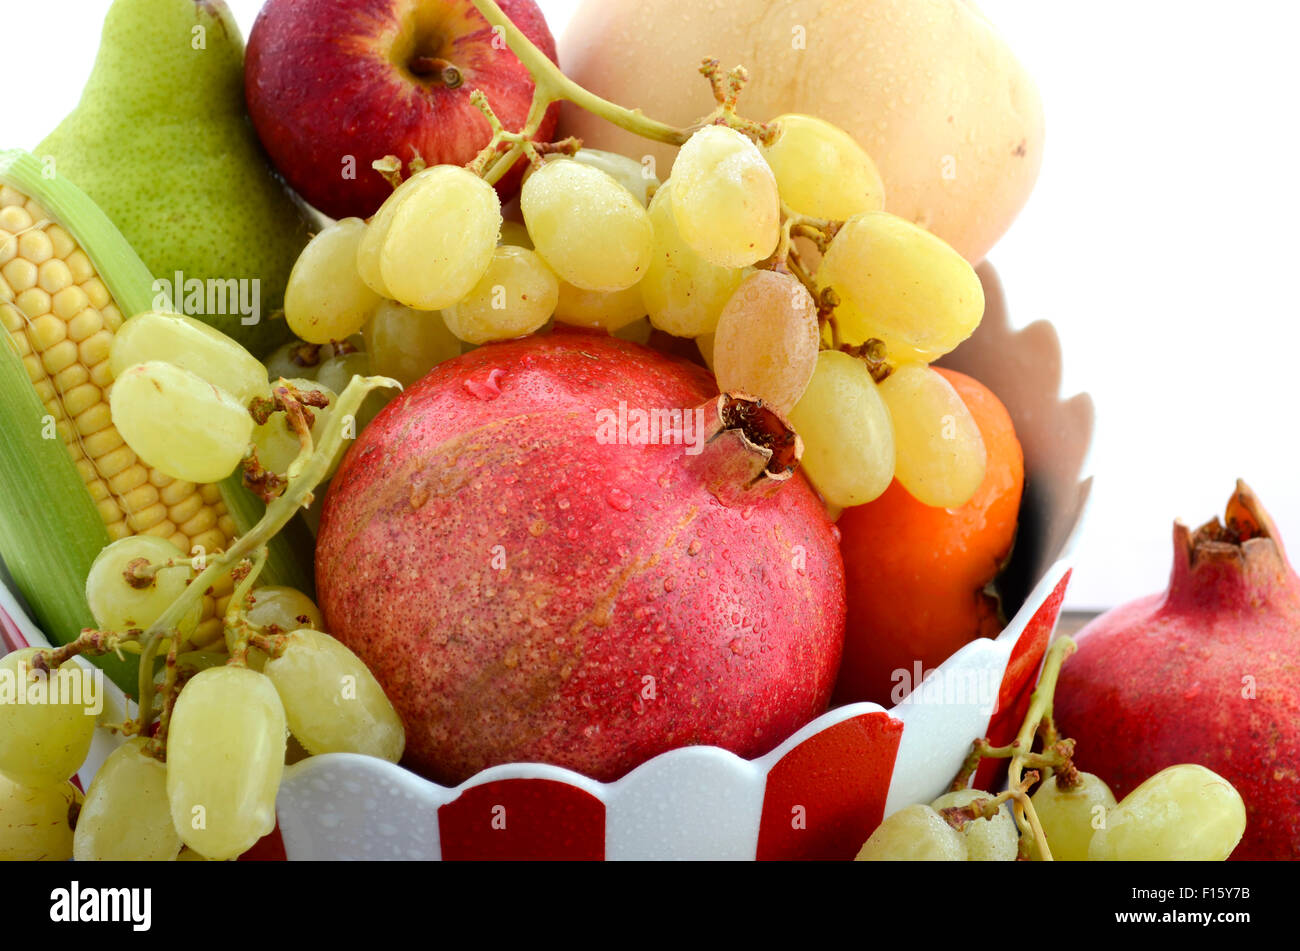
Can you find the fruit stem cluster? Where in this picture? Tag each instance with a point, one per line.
(1056, 755)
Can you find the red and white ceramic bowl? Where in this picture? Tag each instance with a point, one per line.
(816, 796)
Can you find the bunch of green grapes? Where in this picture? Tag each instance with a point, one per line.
(211, 786)
(842, 349)
(1182, 813)
(194, 404)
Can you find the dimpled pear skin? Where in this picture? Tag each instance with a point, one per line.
(162, 143)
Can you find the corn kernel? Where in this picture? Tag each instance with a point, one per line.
(71, 378)
(143, 519)
(14, 219)
(59, 357)
(96, 347)
(111, 463)
(45, 331)
(129, 479)
(184, 510)
(80, 401)
(80, 266)
(97, 292)
(36, 246)
(100, 444)
(94, 418)
(54, 276)
(62, 241)
(33, 302)
(20, 274)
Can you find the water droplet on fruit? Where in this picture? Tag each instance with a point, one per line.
(562, 503)
(669, 584)
(747, 513)
(618, 499)
(486, 389)
(737, 646)
(694, 547)
(537, 528)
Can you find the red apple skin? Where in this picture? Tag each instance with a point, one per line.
(326, 96)
(615, 565)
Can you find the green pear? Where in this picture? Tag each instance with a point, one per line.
(162, 143)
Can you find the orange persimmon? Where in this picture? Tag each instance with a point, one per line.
(916, 575)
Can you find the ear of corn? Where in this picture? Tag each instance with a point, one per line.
(70, 484)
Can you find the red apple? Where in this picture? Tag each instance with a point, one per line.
(334, 85)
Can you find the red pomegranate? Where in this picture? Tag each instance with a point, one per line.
(531, 580)
(1207, 672)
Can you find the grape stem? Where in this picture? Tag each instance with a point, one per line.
(553, 86)
(1056, 754)
(308, 471)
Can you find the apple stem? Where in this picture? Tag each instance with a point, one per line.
(553, 85)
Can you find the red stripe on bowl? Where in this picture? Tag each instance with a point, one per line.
(523, 819)
(825, 796)
(1018, 683)
(13, 638)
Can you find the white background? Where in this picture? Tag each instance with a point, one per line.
(1161, 241)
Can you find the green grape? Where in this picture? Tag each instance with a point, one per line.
(705, 343)
(191, 345)
(326, 298)
(36, 821)
(406, 344)
(333, 702)
(914, 834)
(847, 434)
(126, 816)
(121, 605)
(821, 170)
(900, 284)
(337, 372)
(284, 608)
(987, 840)
(180, 424)
(638, 331)
(590, 229)
(608, 310)
(225, 756)
(940, 452)
(767, 340)
(1185, 813)
(515, 233)
(633, 175)
(45, 738)
(516, 296)
(682, 292)
(440, 233)
(276, 441)
(299, 360)
(1070, 816)
(725, 198)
